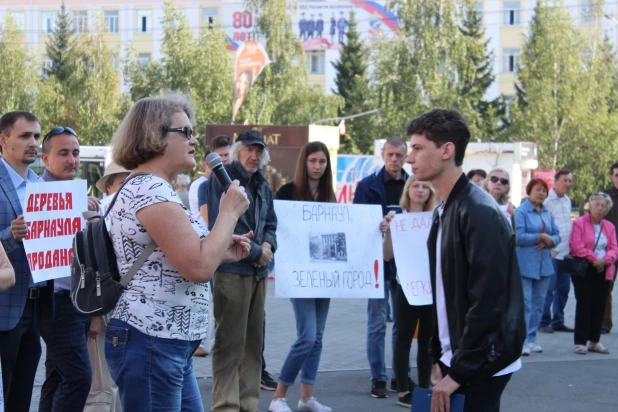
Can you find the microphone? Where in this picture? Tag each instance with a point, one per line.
(213, 161)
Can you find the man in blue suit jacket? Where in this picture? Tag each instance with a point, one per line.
(23, 305)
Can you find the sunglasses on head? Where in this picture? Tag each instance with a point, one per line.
(188, 132)
(496, 179)
(59, 130)
(601, 194)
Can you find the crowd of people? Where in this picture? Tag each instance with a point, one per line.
(202, 291)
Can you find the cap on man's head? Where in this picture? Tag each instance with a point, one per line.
(250, 137)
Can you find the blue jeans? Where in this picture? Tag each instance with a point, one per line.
(304, 355)
(557, 295)
(152, 374)
(377, 312)
(535, 291)
(67, 366)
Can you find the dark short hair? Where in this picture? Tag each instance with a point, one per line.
(442, 126)
(394, 141)
(206, 153)
(611, 169)
(562, 172)
(475, 172)
(220, 141)
(534, 182)
(8, 120)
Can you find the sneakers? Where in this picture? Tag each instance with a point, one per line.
(405, 400)
(531, 347)
(312, 405)
(279, 405)
(378, 389)
(393, 386)
(268, 383)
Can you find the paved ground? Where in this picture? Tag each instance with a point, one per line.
(556, 380)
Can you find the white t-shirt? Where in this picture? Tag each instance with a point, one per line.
(193, 202)
(158, 301)
(443, 331)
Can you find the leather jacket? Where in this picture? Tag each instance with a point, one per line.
(482, 285)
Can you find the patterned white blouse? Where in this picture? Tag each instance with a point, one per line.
(158, 301)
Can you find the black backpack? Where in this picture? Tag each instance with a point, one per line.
(95, 281)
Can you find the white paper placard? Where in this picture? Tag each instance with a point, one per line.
(409, 232)
(53, 213)
(328, 250)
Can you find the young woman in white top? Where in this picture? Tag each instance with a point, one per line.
(417, 197)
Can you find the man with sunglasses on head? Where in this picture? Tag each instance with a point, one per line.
(67, 365)
(24, 305)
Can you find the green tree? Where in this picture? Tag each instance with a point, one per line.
(200, 68)
(283, 83)
(564, 101)
(353, 86)
(420, 68)
(476, 76)
(58, 46)
(19, 74)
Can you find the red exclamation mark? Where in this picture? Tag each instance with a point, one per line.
(375, 272)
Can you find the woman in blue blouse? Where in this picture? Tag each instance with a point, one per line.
(537, 233)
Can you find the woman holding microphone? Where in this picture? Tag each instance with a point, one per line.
(162, 315)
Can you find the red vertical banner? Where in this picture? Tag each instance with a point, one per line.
(251, 58)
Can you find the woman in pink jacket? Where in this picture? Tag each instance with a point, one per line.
(591, 290)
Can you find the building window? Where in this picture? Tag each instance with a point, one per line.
(478, 6)
(512, 13)
(19, 18)
(510, 60)
(143, 59)
(586, 14)
(316, 62)
(80, 21)
(111, 21)
(47, 66)
(48, 22)
(144, 21)
(210, 17)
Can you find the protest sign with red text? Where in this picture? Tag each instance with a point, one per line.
(53, 213)
(409, 232)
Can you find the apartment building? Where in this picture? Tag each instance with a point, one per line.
(319, 24)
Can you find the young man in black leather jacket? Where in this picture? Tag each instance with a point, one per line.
(477, 289)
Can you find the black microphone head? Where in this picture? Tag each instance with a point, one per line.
(213, 160)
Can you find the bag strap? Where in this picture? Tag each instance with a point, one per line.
(137, 264)
(598, 237)
(149, 249)
(111, 205)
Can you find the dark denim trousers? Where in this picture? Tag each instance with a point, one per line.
(67, 366)
(557, 296)
(152, 374)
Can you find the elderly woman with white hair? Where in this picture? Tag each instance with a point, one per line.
(594, 239)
